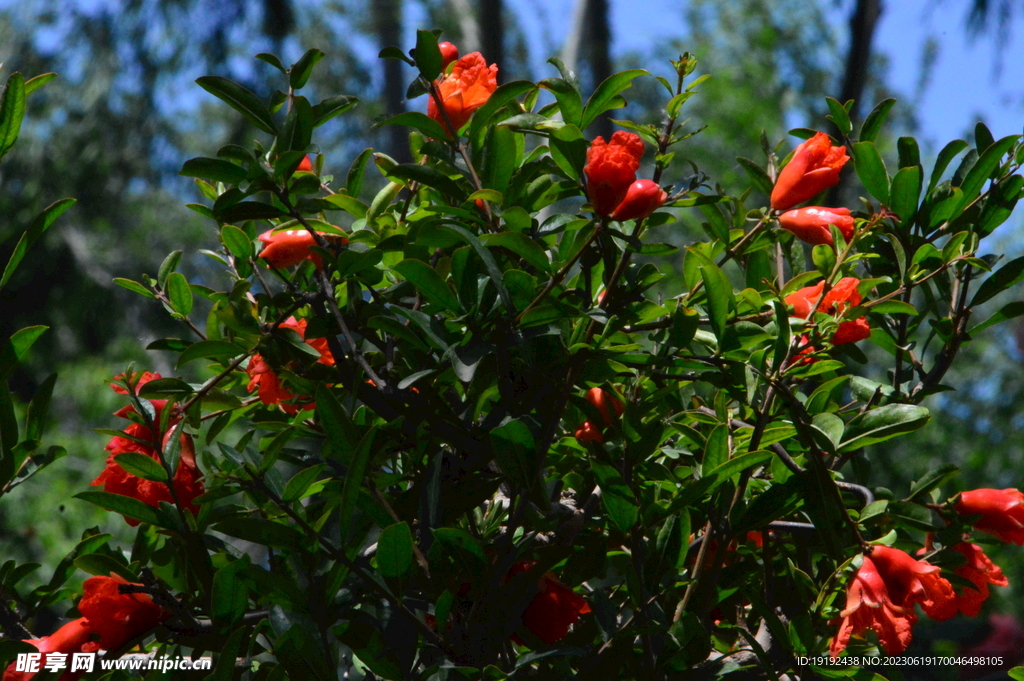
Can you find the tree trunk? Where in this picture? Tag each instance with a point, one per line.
(387, 23)
(599, 38)
(492, 33)
(862, 32)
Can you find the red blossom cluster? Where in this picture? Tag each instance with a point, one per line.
(890, 582)
(267, 384)
(109, 620)
(612, 186)
(141, 438)
(605, 403)
(814, 168)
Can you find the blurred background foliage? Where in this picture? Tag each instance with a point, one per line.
(123, 116)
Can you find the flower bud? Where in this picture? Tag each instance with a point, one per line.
(611, 169)
(811, 224)
(642, 198)
(305, 164)
(449, 53)
(814, 167)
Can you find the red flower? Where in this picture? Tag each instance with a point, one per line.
(814, 167)
(611, 170)
(642, 198)
(553, 610)
(449, 53)
(979, 570)
(116, 480)
(117, 617)
(110, 619)
(882, 596)
(305, 165)
(840, 298)
(588, 432)
(292, 246)
(811, 224)
(265, 380)
(464, 90)
(1001, 510)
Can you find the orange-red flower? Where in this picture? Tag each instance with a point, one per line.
(605, 403)
(811, 224)
(464, 90)
(611, 170)
(882, 596)
(814, 167)
(1001, 511)
(140, 438)
(109, 620)
(291, 246)
(264, 380)
(981, 571)
(642, 198)
(553, 610)
(840, 298)
(305, 164)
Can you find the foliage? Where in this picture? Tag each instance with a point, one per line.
(473, 418)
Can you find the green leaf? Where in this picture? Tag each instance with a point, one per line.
(236, 241)
(933, 479)
(135, 287)
(1008, 311)
(720, 298)
(16, 347)
(428, 55)
(165, 387)
(241, 100)
(948, 153)
(169, 264)
(229, 654)
(66, 568)
(297, 131)
(12, 111)
(840, 116)
(230, 593)
(141, 466)
(250, 210)
(570, 104)
(1006, 276)
(179, 293)
(873, 123)
(394, 550)
(428, 176)
(102, 565)
(909, 152)
(1017, 673)
(757, 174)
(39, 408)
(736, 465)
(499, 98)
(126, 506)
(485, 255)
(36, 82)
(38, 227)
(354, 178)
(261, 531)
(1000, 203)
(209, 349)
(215, 170)
(871, 170)
(273, 60)
(520, 244)
(301, 70)
(516, 452)
(301, 481)
(341, 431)
(906, 189)
(883, 423)
(617, 497)
(987, 164)
(460, 543)
(331, 107)
(418, 121)
(606, 97)
(429, 282)
(354, 481)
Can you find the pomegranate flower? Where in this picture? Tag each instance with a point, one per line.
(840, 298)
(814, 167)
(811, 224)
(1001, 511)
(882, 595)
(611, 170)
(553, 610)
(265, 381)
(468, 87)
(981, 571)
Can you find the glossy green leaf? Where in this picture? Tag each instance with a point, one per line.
(241, 100)
(617, 498)
(303, 68)
(986, 165)
(520, 244)
(431, 177)
(331, 107)
(179, 293)
(142, 466)
(606, 97)
(906, 188)
(757, 175)
(38, 227)
(515, 450)
(883, 423)
(570, 104)
(209, 349)
(942, 161)
(1006, 276)
(871, 170)
(354, 480)
(840, 116)
(135, 287)
(1008, 311)
(215, 170)
(261, 531)
(418, 121)
(12, 111)
(395, 550)
(720, 298)
(1000, 203)
(428, 55)
(127, 506)
(16, 347)
(429, 282)
(874, 121)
